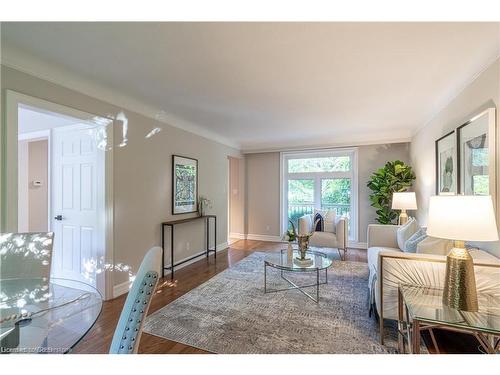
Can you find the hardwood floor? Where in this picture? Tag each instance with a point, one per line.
(99, 338)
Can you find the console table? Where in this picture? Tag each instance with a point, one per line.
(172, 224)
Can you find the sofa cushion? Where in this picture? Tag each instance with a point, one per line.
(433, 245)
(323, 239)
(481, 256)
(406, 231)
(413, 241)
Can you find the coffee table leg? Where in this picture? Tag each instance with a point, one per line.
(317, 285)
(265, 278)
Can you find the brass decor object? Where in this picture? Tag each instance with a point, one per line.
(460, 283)
(303, 242)
(461, 218)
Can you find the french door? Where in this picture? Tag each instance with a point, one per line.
(325, 180)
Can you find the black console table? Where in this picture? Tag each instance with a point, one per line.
(172, 224)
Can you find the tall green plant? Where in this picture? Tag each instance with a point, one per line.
(396, 176)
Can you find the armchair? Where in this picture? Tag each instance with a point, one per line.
(337, 239)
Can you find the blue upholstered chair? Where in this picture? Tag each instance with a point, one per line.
(25, 255)
(129, 329)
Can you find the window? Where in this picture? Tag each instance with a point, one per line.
(319, 180)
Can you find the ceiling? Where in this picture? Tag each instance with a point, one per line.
(272, 85)
(33, 120)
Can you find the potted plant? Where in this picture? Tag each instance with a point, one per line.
(395, 176)
(290, 236)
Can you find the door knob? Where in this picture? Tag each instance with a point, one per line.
(58, 217)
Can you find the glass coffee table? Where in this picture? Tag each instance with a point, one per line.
(280, 261)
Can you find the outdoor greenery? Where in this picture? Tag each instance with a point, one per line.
(335, 191)
(395, 176)
(321, 164)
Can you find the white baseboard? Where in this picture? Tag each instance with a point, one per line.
(264, 237)
(257, 237)
(124, 287)
(357, 245)
(220, 247)
(233, 236)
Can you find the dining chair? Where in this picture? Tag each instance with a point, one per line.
(25, 255)
(129, 328)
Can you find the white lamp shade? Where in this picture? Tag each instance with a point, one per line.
(404, 201)
(462, 217)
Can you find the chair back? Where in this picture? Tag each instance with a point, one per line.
(25, 255)
(129, 328)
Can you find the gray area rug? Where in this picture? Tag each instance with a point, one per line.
(231, 314)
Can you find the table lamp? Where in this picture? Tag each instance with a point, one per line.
(404, 201)
(461, 218)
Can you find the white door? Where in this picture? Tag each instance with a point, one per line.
(77, 201)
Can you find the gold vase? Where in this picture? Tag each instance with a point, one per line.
(303, 242)
(460, 283)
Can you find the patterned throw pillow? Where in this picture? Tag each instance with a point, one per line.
(328, 219)
(412, 242)
(320, 224)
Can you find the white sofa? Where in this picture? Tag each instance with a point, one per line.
(337, 239)
(389, 266)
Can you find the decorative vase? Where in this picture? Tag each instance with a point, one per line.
(289, 252)
(303, 242)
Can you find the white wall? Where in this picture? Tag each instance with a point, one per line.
(263, 187)
(480, 94)
(142, 173)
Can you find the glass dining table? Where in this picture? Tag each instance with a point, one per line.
(40, 315)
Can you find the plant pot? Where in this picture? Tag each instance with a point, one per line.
(289, 252)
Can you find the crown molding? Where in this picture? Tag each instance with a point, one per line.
(325, 146)
(29, 64)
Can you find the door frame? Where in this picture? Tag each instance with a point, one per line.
(8, 175)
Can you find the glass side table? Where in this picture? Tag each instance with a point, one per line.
(421, 308)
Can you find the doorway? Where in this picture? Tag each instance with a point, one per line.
(61, 162)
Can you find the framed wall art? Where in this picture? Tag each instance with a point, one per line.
(476, 154)
(446, 164)
(184, 185)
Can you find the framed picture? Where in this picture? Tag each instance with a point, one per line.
(184, 185)
(446, 164)
(476, 154)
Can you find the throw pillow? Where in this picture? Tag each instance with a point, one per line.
(406, 231)
(433, 245)
(412, 242)
(318, 219)
(328, 220)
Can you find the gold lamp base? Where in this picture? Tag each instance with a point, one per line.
(403, 218)
(460, 283)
